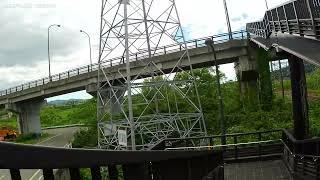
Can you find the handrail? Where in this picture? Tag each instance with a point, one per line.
(295, 17)
(134, 164)
(177, 47)
(221, 146)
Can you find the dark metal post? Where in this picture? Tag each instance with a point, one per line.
(281, 79)
(210, 44)
(15, 174)
(299, 98)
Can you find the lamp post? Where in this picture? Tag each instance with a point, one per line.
(210, 44)
(267, 4)
(82, 31)
(53, 25)
(227, 18)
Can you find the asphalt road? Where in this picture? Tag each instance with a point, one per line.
(61, 138)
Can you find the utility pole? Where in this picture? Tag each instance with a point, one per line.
(82, 31)
(227, 18)
(210, 44)
(49, 60)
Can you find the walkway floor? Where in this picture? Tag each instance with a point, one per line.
(263, 170)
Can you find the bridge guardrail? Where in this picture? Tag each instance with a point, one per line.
(295, 17)
(133, 165)
(221, 38)
(240, 145)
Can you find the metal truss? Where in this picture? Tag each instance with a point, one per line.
(155, 102)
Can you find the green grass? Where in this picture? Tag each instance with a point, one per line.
(9, 123)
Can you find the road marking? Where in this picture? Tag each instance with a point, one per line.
(49, 139)
(46, 140)
(35, 174)
(41, 177)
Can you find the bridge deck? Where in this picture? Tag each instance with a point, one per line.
(262, 170)
(304, 48)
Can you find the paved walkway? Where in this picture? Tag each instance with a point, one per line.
(262, 170)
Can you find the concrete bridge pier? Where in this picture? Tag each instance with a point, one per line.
(299, 98)
(248, 78)
(28, 115)
(115, 97)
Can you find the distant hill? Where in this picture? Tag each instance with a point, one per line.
(66, 102)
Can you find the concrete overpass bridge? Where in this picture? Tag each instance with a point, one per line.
(26, 99)
(291, 31)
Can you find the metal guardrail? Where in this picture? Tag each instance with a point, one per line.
(239, 146)
(173, 48)
(295, 17)
(132, 165)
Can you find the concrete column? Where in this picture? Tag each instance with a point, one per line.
(248, 77)
(299, 98)
(265, 82)
(114, 96)
(28, 115)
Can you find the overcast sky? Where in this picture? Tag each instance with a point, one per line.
(24, 23)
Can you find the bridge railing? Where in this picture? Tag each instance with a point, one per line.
(143, 54)
(295, 17)
(238, 146)
(134, 165)
(302, 156)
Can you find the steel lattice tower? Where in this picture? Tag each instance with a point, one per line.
(139, 108)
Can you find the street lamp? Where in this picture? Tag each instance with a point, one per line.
(210, 43)
(267, 4)
(56, 25)
(82, 31)
(227, 18)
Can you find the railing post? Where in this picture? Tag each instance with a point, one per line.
(113, 172)
(165, 51)
(43, 81)
(48, 174)
(88, 68)
(59, 76)
(180, 47)
(259, 146)
(74, 173)
(22, 87)
(96, 173)
(6, 92)
(68, 74)
(235, 141)
(303, 165)
(312, 18)
(136, 56)
(285, 15)
(15, 174)
(29, 85)
(196, 43)
(78, 71)
(297, 18)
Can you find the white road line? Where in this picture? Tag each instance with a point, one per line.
(35, 174)
(41, 177)
(49, 139)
